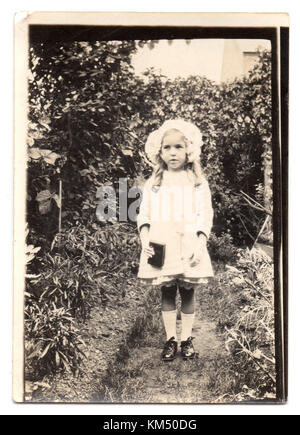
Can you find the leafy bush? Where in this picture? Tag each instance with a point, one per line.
(80, 256)
(247, 320)
(83, 97)
(53, 342)
(221, 248)
(84, 267)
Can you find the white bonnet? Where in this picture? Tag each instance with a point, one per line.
(190, 132)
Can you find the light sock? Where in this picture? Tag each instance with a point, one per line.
(187, 321)
(169, 320)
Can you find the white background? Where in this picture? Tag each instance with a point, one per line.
(7, 407)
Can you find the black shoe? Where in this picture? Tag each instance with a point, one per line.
(187, 349)
(170, 350)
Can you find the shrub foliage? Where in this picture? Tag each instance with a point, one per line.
(247, 320)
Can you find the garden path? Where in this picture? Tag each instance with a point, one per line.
(147, 379)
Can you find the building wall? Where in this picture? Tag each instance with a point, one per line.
(237, 62)
(232, 65)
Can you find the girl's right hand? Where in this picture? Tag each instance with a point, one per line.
(147, 250)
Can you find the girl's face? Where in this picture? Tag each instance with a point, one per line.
(173, 150)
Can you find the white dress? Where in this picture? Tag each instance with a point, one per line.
(176, 212)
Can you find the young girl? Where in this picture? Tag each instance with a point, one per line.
(176, 212)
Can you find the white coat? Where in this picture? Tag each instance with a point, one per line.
(176, 212)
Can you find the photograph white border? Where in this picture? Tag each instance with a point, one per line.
(9, 406)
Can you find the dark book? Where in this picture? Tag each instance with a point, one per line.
(157, 260)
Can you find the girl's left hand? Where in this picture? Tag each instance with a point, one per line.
(198, 251)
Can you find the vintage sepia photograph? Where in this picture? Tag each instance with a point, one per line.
(150, 178)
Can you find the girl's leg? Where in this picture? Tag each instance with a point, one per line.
(168, 297)
(187, 312)
(187, 300)
(169, 312)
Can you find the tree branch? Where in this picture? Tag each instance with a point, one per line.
(254, 203)
(248, 352)
(245, 227)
